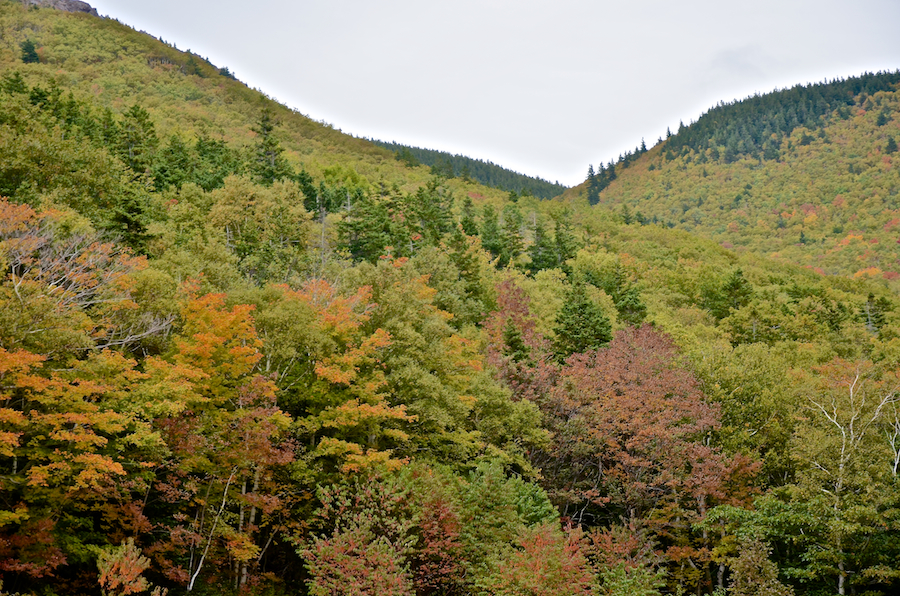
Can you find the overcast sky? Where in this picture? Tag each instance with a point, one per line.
(542, 87)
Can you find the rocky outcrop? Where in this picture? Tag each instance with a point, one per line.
(67, 5)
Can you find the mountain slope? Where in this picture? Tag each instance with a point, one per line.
(325, 369)
(112, 66)
(487, 173)
(822, 191)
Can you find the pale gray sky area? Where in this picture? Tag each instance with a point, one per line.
(539, 86)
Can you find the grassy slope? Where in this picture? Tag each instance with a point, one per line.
(840, 192)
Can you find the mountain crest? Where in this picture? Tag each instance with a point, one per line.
(65, 5)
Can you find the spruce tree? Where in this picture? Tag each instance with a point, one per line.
(269, 164)
(491, 237)
(511, 235)
(564, 240)
(891, 146)
(467, 220)
(542, 253)
(593, 189)
(581, 324)
(29, 52)
(734, 293)
(515, 346)
(13, 83)
(137, 140)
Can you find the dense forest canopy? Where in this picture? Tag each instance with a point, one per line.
(448, 165)
(241, 352)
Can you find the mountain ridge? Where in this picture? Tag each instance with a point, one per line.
(823, 194)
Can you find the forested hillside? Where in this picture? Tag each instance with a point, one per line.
(487, 173)
(243, 353)
(806, 175)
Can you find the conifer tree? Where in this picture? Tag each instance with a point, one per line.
(564, 240)
(29, 52)
(137, 140)
(13, 83)
(542, 251)
(511, 235)
(491, 236)
(581, 324)
(593, 188)
(514, 341)
(891, 146)
(734, 293)
(269, 164)
(467, 221)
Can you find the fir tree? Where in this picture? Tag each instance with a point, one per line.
(269, 164)
(512, 235)
(891, 146)
(29, 52)
(625, 295)
(137, 140)
(491, 237)
(734, 293)
(542, 253)
(13, 83)
(564, 240)
(467, 221)
(515, 346)
(581, 324)
(593, 187)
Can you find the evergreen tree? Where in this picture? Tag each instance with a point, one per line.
(406, 156)
(172, 166)
(542, 251)
(13, 83)
(511, 235)
(370, 227)
(874, 312)
(564, 240)
(734, 293)
(625, 295)
(467, 221)
(891, 146)
(269, 164)
(29, 52)
(514, 343)
(215, 161)
(581, 324)
(137, 140)
(465, 258)
(593, 187)
(491, 236)
(433, 205)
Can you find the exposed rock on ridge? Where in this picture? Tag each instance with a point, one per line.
(66, 5)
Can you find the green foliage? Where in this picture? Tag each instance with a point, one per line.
(269, 164)
(808, 163)
(734, 293)
(581, 324)
(315, 376)
(487, 173)
(625, 581)
(29, 52)
(754, 574)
